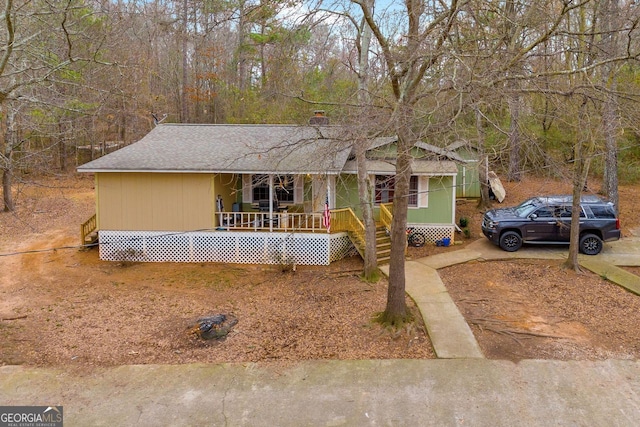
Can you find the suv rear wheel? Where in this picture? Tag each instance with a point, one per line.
(511, 241)
(590, 244)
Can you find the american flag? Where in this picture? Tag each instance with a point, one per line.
(326, 215)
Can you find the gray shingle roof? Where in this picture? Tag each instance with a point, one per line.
(441, 151)
(245, 149)
(230, 148)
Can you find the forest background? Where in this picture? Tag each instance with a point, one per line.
(536, 75)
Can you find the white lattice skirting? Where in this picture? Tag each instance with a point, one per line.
(433, 232)
(224, 246)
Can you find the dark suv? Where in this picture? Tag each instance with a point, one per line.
(547, 220)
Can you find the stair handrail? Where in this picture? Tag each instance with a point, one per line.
(345, 219)
(386, 215)
(87, 227)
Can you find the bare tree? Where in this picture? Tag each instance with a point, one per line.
(38, 43)
(11, 143)
(365, 186)
(609, 18)
(483, 167)
(583, 147)
(422, 47)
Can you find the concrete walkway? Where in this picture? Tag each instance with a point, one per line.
(450, 334)
(456, 390)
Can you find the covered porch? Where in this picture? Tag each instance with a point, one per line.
(244, 238)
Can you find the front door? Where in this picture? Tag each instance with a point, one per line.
(542, 225)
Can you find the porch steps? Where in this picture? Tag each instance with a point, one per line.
(383, 246)
(91, 238)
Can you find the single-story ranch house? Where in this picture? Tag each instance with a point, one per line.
(256, 194)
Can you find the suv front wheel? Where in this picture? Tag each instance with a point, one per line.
(510, 241)
(590, 244)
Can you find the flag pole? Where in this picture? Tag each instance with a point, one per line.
(326, 213)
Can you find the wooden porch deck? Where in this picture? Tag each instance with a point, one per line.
(251, 221)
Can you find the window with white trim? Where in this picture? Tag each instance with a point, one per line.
(385, 189)
(283, 188)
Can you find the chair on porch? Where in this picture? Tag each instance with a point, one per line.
(264, 208)
(237, 217)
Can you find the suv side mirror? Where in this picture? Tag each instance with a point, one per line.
(533, 216)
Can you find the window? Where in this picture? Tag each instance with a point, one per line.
(544, 212)
(603, 211)
(385, 189)
(283, 188)
(413, 191)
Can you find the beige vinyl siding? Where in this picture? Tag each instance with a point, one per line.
(155, 201)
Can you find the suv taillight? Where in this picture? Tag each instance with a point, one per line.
(617, 223)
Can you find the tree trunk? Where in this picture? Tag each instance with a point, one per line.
(511, 42)
(241, 56)
(62, 148)
(10, 141)
(62, 153)
(610, 12)
(610, 128)
(6, 188)
(365, 190)
(515, 172)
(580, 172)
(396, 310)
(184, 107)
(574, 245)
(365, 193)
(483, 164)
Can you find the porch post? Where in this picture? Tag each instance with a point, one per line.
(453, 196)
(270, 203)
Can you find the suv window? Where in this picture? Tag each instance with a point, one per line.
(603, 211)
(544, 212)
(565, 212)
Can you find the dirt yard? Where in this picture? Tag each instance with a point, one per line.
(65, 307)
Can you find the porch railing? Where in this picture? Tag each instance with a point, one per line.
(346, 220)
(86, 228)
(276, 221)
(386, 214)
(341, 220)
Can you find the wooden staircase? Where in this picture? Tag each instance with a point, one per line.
(89, 231)
(346, 220)
(383, 245)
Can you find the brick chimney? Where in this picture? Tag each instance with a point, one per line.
(319, 119)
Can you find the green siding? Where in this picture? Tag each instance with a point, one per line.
(440, 206)
(439, 210)
(347, 193)
(468, 180)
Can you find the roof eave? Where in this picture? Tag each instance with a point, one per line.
(238, 172)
